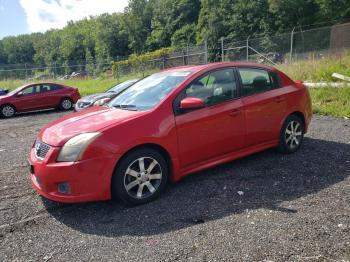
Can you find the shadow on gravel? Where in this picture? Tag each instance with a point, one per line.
(266, 179)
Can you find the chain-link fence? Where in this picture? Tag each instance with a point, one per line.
(281, 48)
(94, 69)
(192, 55)
(289, 47)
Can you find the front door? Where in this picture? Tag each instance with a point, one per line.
(216, 129)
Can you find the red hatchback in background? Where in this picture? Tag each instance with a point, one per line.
(38, 96)
(167, 126)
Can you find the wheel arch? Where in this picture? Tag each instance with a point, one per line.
(300, 115)
(8, 104)
(160, 149)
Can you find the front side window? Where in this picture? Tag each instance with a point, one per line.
(30, 90)
(149, 92)
(214, 88)
(257, 80)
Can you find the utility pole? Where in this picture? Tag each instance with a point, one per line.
(222, 50)
(291, 45)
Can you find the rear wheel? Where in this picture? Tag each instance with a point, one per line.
(7, 111)
(140, 177)
(66, 104)
(292, 134)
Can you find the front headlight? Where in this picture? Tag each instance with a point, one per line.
(75, 147)
(102, 101)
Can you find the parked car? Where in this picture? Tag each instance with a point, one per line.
(79, 75)
(103, 98)
(38, 96)
(3, 92)
(167, 126)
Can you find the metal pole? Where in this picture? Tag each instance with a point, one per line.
(248, 48)
(206, 51)
(291, 45)
(222, 50)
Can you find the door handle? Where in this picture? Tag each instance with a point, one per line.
(279, 99)
(235, 112)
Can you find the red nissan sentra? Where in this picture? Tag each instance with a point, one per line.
(166, 126)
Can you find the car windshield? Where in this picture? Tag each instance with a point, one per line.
(149, 92)
(121, 87)
(15, 91)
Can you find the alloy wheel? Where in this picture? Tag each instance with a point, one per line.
(66, 104)
(293, 134)
(143, 177)
(8, 111)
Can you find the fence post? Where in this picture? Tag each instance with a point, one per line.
(248, 48)
(291, 46)
(206, 51)
(222, 50)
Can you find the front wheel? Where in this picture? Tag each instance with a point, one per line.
(7, 111)
(292, 134)
(140, 177)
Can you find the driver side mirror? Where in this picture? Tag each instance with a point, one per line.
(191, 103)
(19, 94)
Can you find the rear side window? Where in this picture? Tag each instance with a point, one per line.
(216, 87)
(257, 80)
(47, 88)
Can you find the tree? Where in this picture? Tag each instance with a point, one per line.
(170, 16)
(137, 22)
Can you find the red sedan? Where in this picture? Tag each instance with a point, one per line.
(167, 126)
(38, 96)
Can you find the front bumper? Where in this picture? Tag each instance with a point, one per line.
(89, 180)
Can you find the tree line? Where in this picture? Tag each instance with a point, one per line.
(148, 25)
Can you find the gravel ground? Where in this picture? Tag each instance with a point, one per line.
(266, 207)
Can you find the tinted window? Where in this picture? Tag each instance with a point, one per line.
(47, 88)
(257, 80)
(214, 88)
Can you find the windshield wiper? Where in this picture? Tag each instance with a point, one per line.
(126, 107)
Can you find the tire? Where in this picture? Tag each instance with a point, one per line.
(292, 135)
(135, 183)
(7, 111)
(66, 104)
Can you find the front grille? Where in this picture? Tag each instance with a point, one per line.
(41, 150)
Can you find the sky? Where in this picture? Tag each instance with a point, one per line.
(28, 16)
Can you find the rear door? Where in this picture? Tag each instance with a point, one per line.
(264, 104)
(216, 129)
(49, 95)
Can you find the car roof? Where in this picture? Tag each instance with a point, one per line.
(197, 68)
(42, 83)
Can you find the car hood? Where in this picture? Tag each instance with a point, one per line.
(95, 97)
(93, 119)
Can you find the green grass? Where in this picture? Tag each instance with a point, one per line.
(318, 70)
(331, 101)
(86, 87)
